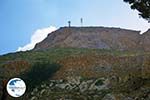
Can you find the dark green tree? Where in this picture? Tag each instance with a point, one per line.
(142, 6)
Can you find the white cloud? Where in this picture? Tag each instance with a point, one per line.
(37, 37)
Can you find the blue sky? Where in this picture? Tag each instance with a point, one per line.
(19, 19)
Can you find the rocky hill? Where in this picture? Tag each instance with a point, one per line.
(82, 63)
(96, 37)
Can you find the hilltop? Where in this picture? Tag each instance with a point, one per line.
(96, 37)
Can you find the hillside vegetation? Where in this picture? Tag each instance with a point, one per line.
(79, 74)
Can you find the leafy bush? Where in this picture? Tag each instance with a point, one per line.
(38, 73)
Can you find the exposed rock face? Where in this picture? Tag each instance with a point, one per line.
(83, 89)
(146, 41)
(96, 37)
(74, 88)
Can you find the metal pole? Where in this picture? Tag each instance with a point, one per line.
(81, 22)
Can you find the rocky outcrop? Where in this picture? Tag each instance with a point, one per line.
(96, 37)
(77, 88)
(72, 88)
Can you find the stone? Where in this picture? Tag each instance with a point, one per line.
(109, 97)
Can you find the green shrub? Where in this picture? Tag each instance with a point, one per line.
(38, 73)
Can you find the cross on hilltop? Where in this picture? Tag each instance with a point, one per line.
(81, 22)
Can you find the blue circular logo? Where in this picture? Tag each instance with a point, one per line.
(16, 87)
